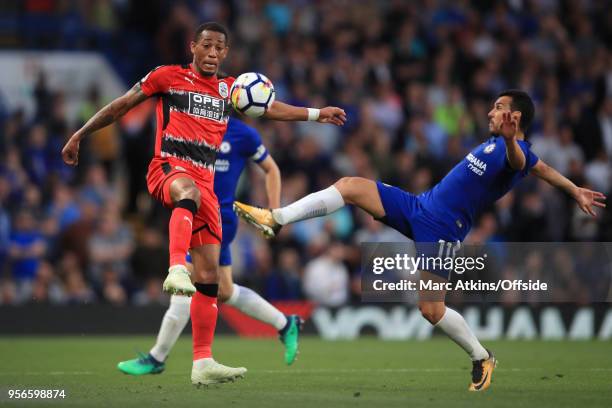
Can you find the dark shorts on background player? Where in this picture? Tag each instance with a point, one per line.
(207, 221)
(404, 213)
(230, 227)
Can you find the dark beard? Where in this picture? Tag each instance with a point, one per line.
(492, 132)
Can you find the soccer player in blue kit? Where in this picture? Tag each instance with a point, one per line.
(446, 212)
(241, 143)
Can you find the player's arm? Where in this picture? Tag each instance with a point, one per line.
(514, 154)
(104, 117)
(273, 181)
(586, 199)
(509, 129)
(282, 111)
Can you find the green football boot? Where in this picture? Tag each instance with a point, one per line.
(144, 364)
(289, 336)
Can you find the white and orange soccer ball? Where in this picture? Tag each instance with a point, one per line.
(252, 94)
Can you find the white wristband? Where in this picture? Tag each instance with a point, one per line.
(313, 114)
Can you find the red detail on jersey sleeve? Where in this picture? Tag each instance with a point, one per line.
(156, 81)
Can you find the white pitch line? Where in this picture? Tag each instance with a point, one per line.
(356, 370)
(56, 373)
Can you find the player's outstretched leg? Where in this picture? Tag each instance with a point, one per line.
(251, 304)
(174, 322)
(186, 198)
(348, 190)
(204, 312)
(260, 218)
(432, 307)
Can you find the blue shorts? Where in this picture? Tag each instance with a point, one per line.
(404, 213)
(229, 221)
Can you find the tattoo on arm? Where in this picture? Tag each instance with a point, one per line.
(114, 110)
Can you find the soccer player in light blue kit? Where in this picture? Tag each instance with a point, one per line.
(241, 143)
(446, 212)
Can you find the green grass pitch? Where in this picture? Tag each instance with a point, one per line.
(367, 373)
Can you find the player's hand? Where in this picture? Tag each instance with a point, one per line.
(509, 126)
(587, 199)
(333, 115)
(70, 152)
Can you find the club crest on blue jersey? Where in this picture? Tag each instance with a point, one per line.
(489, 148)
(225, 147)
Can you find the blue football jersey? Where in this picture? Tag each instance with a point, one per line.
(476, 182)
(240, 143)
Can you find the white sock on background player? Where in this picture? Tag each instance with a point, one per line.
(251, 304)
(455, 326)
(172, 326)
(313, 205)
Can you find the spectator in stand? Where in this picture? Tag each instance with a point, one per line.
(151, 294)
(97, 187)
(286, 276)
(8, 292)
(110, 248)
(27, 248)
(46, 287)
(326, 279)
(75, 238)
(5, 222)
(111, 288)
(149, 259)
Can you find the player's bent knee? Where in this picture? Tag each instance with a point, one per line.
(348, 188)
(191, 193)
(187, 192)
(207, 275)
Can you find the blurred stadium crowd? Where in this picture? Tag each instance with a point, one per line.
(416, 79)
